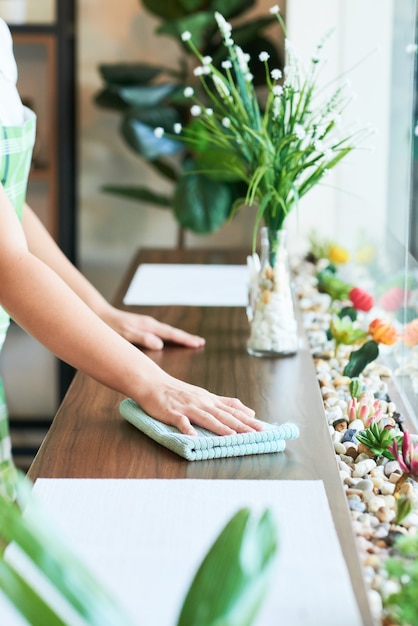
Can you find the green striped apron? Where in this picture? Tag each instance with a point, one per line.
(16, 144)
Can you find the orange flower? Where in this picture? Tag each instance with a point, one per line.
(410, 333)
(383, 332)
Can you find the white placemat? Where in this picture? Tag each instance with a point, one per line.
(145, 539)
(193, 285)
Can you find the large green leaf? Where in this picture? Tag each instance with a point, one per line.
(199, 26)
(201, 204)
(48, 552)
(231, 8)
(360, 358)
(167, 9)
(126, 74)
(146, 96)
(109, 98)
(192, 6)
(231, 583)
(220, 164)
(139, 194)
(138, 131)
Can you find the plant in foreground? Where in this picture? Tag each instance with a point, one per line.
(228, 588)
(402, 606)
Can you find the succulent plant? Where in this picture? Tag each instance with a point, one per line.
(378, 439)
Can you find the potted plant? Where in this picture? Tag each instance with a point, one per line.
(148, 96)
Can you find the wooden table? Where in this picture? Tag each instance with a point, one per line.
(88, 438)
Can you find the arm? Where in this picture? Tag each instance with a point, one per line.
(138, 329)
(46, 307)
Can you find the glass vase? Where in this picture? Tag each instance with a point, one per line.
(271, 312)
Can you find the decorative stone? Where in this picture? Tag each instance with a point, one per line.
(361, 468)
(392, 466)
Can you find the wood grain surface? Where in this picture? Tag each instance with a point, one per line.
(89, 439)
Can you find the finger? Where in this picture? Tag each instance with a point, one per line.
(169, 333)
(149, 341)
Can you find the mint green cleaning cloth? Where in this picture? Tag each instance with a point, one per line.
(206, 445)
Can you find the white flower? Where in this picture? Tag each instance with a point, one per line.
(209, 111)
(416, 131)
(243, 59)
(221, 87)
(226, 122)
(264, 56)
(299, 131)
(196, 110)
(159, 132)
(223, 25)
(274, 9)
(319, 145)
(186, 35)
(277, 90)
(207, 60)
(227, 65)
(276, 74)
(188, 92)
(201, 70)
(249, 77)
(177, 128)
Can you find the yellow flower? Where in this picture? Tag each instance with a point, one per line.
(337, 254)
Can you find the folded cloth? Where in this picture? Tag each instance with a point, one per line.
(206, 445)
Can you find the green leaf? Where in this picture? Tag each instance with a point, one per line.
(360, 358)
(129, 74)
(231, 8)
(140, 136)
(231, 583)
(220, 164)
(37, 539)
(201, 204)
(348, 311)
(28, 602)
(199, 26)
(168, 10)
(109, 98)
(139, 194)
(147, 96)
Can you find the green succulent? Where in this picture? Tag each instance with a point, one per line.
(402, 606)
(378, 439)
(330, 283)
(345, 332)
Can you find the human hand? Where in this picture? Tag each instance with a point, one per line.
(145, 331)
(180, 404)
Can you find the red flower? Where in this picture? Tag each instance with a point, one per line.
(361, 300)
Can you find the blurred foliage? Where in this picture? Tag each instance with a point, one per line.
(147, 96)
